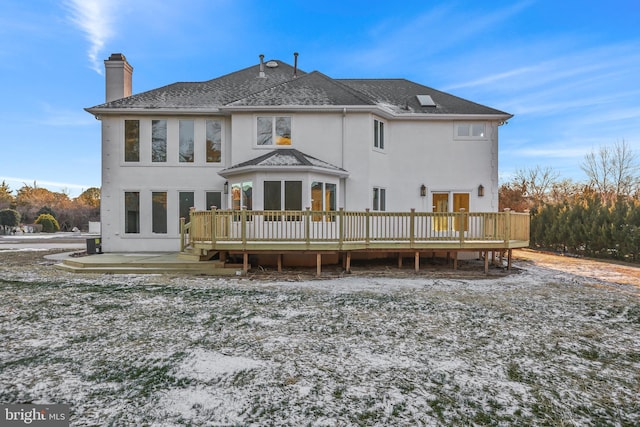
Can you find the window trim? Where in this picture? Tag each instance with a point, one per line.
(273, 145)
(381, 205)
(206, 141)
(379, 139)
(482, 137)
(134, 151)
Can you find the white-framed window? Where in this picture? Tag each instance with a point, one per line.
(214, 141)
(470, 130)
(273, 131)
(158, 141)
(132, 212)
(186, 141)
(159, 212)
(379, 199)
(132, 140)
(242, 195)
(378, 134)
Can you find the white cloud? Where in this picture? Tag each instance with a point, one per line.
(94, 18)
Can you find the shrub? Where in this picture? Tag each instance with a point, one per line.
(9, 218)
(48, 222)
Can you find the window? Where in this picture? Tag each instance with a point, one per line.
(379, 199)
(272, 196)
(131, 140)
(159, 212)
(273, 200)
(186, 141)
(214, 141)
(378, 134)
(186, 203)
(323, 198)
(242, 196)
(214, 198)
(470, 130)
(132, 212)
(158, 140)
(274, 131)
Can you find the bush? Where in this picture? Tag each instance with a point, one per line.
(48, 222)
(9, 218)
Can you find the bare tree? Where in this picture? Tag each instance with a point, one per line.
(612, 171)
(536, 182)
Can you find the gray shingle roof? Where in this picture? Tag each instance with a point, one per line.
(209, 94)
(285, 158)
(245, 89)
(400, 95)
(312, 89)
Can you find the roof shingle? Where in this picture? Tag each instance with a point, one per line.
(279, 87)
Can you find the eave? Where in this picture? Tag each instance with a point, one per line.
(227, 173)
(323, 109)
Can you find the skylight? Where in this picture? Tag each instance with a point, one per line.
(425, 101)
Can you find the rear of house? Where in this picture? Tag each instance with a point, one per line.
(273, 137)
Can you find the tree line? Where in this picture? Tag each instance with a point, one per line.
(52, 211)
(597, 218)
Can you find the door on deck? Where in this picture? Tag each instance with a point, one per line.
(461, 201)
(441, 205)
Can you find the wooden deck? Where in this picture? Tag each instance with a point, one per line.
(342, 232)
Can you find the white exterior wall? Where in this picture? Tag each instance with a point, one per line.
(146, 177)
(415, 153)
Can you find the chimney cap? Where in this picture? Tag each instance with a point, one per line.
(117, 57)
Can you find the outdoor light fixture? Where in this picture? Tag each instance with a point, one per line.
(423, 190)
(480, 191)
(226, 187)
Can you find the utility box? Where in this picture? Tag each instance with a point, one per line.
(94, 246)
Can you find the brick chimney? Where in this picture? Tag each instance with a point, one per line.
(118, 77)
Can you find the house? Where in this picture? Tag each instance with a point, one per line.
(273, 137)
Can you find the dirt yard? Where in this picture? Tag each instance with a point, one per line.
(600, 270)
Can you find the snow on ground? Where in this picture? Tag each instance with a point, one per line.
(538, 347)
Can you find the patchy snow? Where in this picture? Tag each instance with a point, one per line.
(539, 347)
(23, 249)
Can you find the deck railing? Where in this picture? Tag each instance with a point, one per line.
(343, 229)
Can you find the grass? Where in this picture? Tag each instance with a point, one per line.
(526, 349)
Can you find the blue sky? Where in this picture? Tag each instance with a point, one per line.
(568, 70)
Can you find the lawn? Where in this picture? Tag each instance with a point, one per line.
(537, 347)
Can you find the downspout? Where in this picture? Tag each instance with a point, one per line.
(344, 180)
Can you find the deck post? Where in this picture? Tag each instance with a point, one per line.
(507, 226)
(417, 261)
(461, 225)
(412, 228)
(348, 262)
(367, 222)
(399, 259)
(486, 262)
(279, 263)
(183, 242)
(455, 260)
(243, 231)
(509, 257)
(214, 222)
(245, 262)
(307, 226)
(318, 264)
(340, 228)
